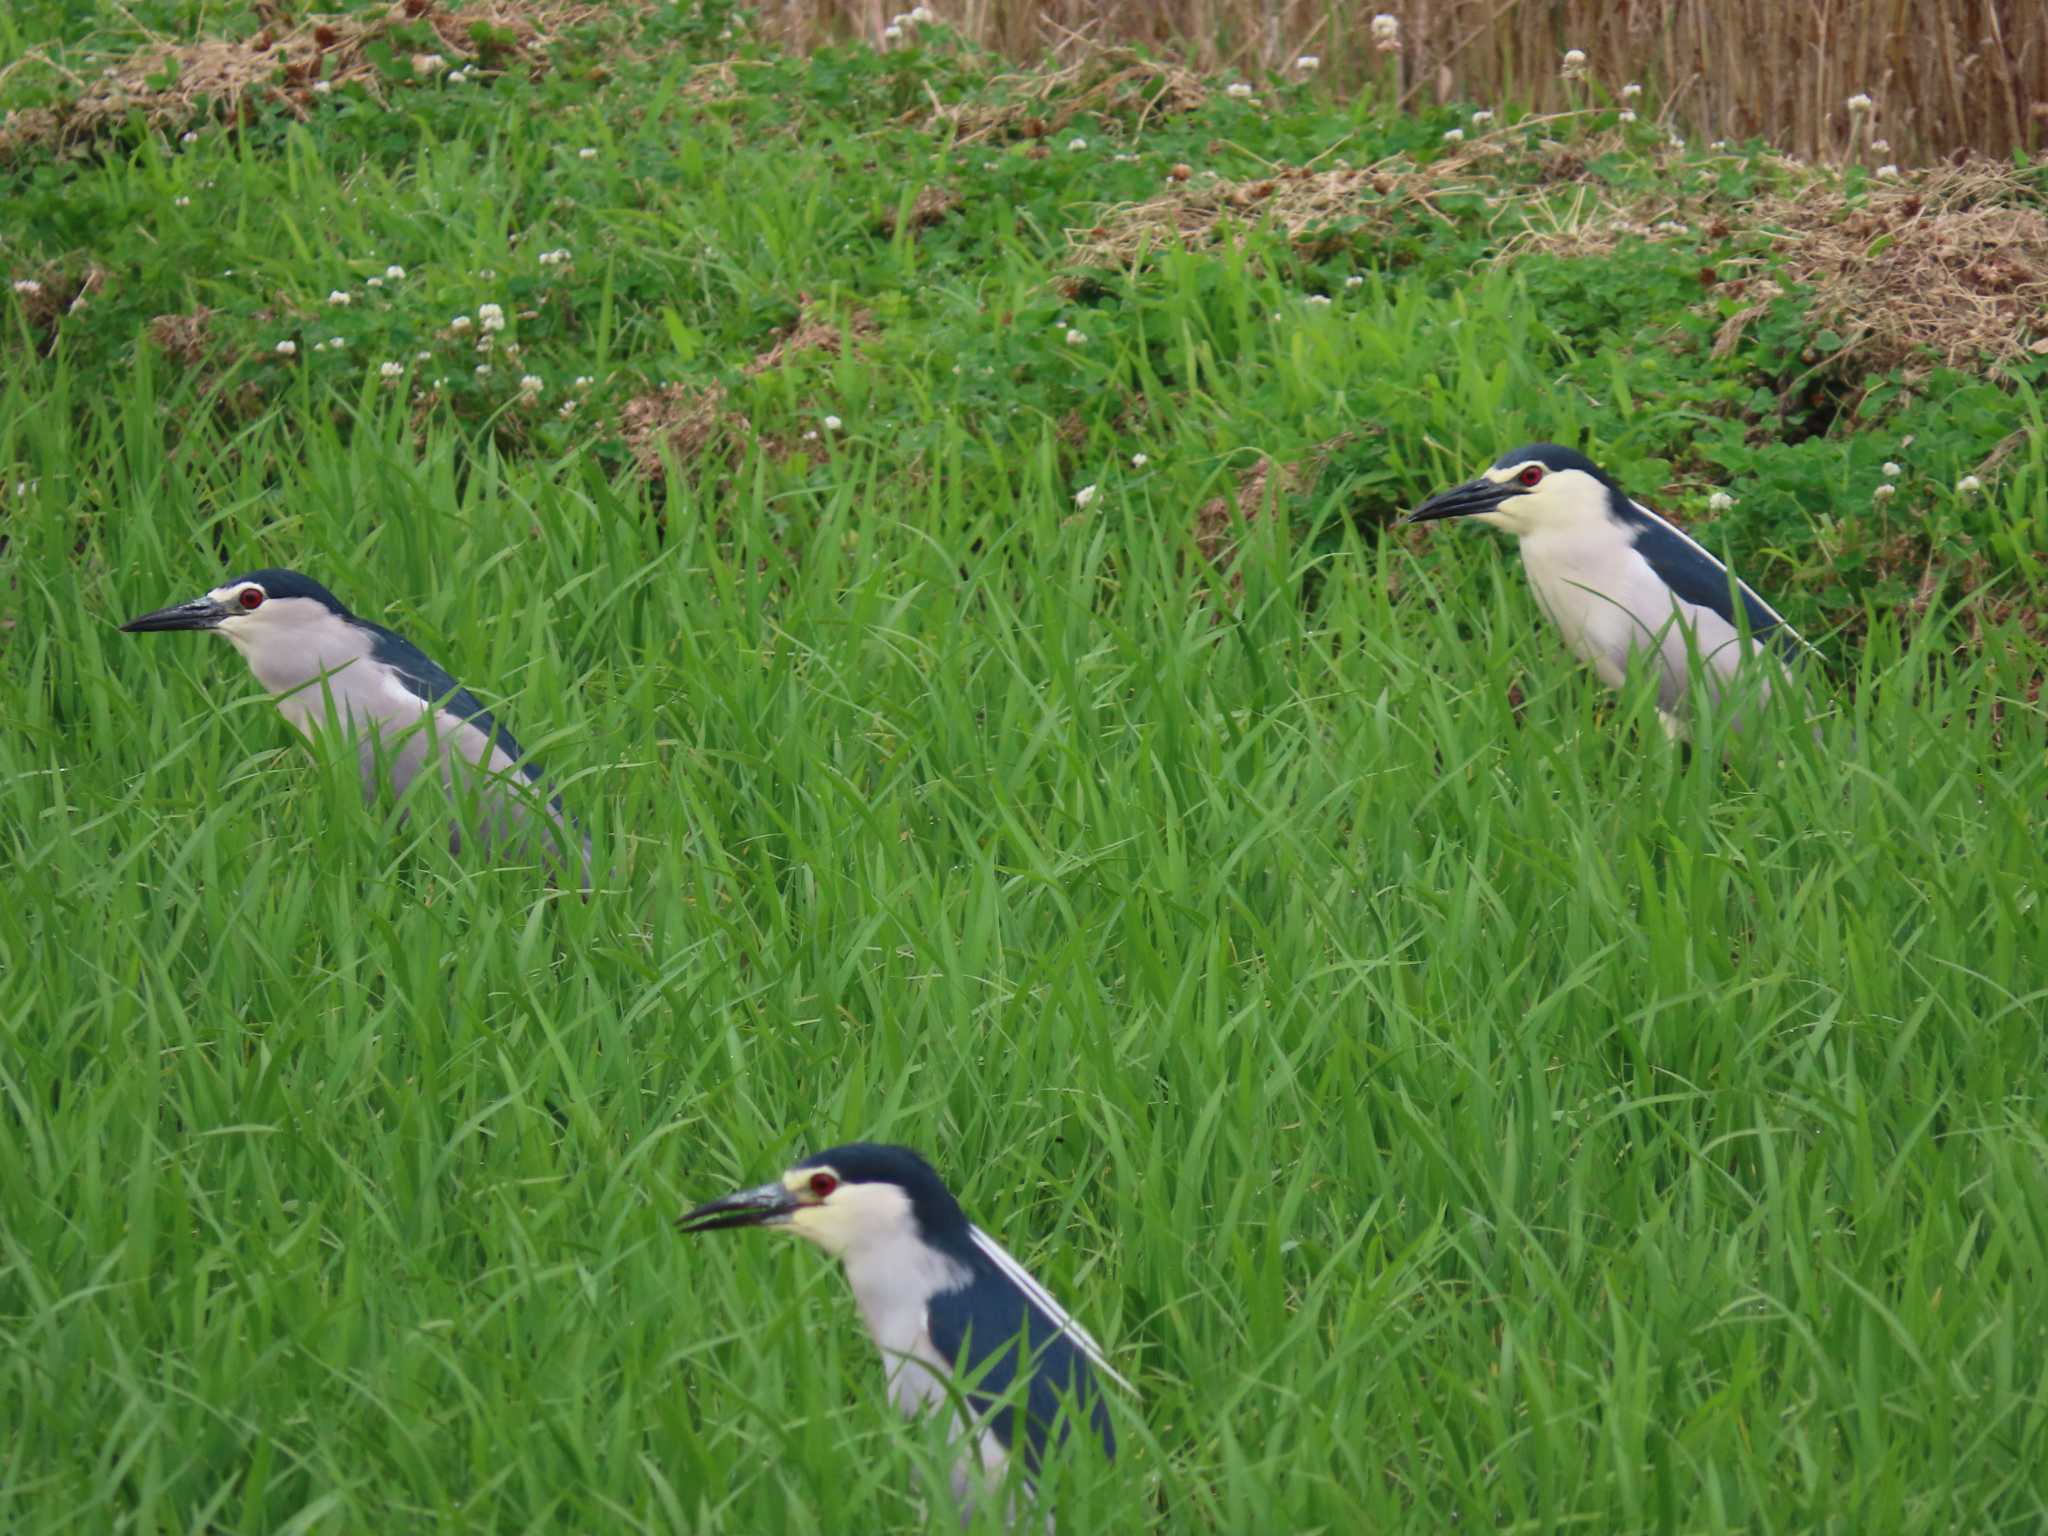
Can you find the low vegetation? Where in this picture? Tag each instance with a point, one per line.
(934, 516)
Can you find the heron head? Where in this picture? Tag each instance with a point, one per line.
(842, 1199)
(1528, 490)
(248, 610)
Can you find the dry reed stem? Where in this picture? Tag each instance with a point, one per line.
(1948, 75)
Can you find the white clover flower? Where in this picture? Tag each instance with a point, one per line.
(924, 15)
(391, 370)
(1861, 103)
(457, 76)
(181, 202)
(1884, 493)
(1880, 146)
(188, 138)
(1077, 143)
(1238, 89)
(1626, 116)
(1454, 135)
(1718, 144)
(1386, 33)
(1319, 298)
(1084, 496)
(322, 87)
(584, 381)
(1076, 338)
(1969, 485)
(1720, 501)
(396, 274)
(482, 370)
(423, 357)
(1308, 63)
(1139, 460)
(1354, 281)
(319, 346)
(890, 34)
(286, 349)
(1891, 470)
(27, 286)
(1888, 172)
(1483, 115)
(1574, 67)
(831, 423)
(373, 282)
(530, 384)
(487, 340)
(811, 436)
(1630, 91)
(586, 154)
(1122, 159)
(428, 63)
(459, 323)
(336, 343)
(340, 298)
(1677, 142)
(555, 258)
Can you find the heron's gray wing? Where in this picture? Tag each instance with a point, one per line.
(983, 1330)
(433, 685)
(1696, 577)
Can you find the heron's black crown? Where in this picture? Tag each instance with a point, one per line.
(277, 582)
(866, 1162)
(1553, 457)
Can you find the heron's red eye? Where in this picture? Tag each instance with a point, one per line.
(1531, 474)
(822, 1184)
(250, 598)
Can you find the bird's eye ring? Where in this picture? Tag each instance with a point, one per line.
(1530, 474)
(822, 1184)
(250, 598)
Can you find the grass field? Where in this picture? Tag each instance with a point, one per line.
(1453, 1105)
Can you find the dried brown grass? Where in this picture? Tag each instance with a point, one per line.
(1947, 265)
(1220, 521)
(172, 85)
(690, 425)
(1310, 205)
(1098, 82)
(1947, 75)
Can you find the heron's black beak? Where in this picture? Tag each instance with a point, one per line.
(769, 1205)
(200, 613)
(1481, 495)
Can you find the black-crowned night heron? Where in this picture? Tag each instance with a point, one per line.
(1617, 579)
(328, 667)
(954, 1316)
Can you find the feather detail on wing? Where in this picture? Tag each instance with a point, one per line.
(1695, 575)
(1040, 1298)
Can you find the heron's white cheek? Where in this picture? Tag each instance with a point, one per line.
(853, 1216)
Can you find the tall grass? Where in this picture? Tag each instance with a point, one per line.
(1947, 75)
(1452, 1104)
